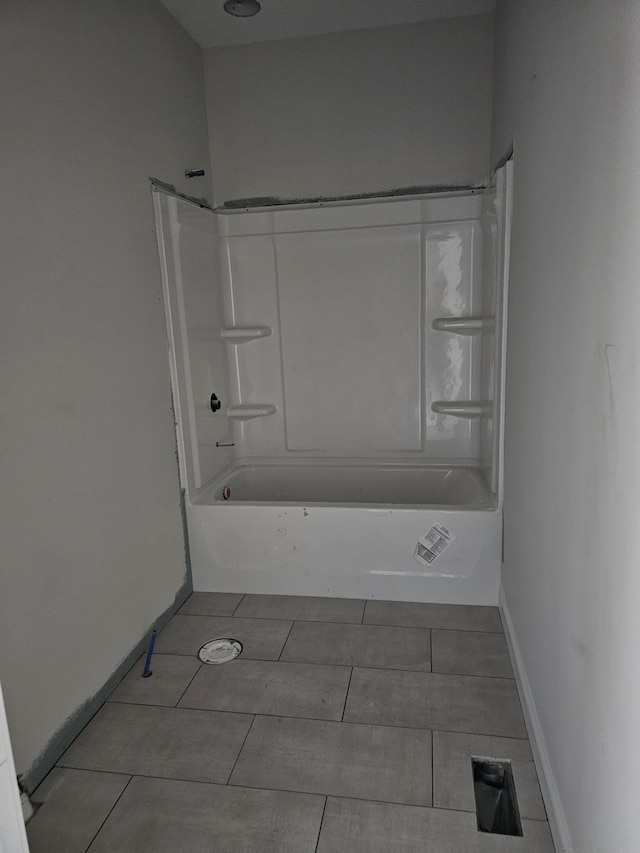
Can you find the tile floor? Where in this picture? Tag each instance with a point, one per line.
(344, 726)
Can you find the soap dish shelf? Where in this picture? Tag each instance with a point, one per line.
(463, 325)
(249, 412)
(463, 408)
(244, 334)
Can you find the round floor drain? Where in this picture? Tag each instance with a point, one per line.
(221, 650)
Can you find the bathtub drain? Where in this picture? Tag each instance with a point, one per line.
(220, 650)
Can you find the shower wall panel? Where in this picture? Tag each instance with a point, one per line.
(453, 284)
(350, 324)
(189, 255)
(251, 300)
(495, 228)
(349, 293)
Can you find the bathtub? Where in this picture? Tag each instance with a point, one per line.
(346, 529)
(337, 373)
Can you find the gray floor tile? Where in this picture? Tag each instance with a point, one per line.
(302, 607)
(433, 701)
(470, 653)
(262, 638)
(375, 767)
(170, 677)
(201, 746)
(374, 762)
(452, 775)
(76, 804)
(269, 687)
(352, 826)
(211, 604)
(359, 645)
(166, 816)
(457, 617)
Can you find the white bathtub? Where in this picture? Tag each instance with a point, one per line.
(328, 363)
(346, 529)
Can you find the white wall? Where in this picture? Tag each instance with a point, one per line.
(567, 83)
(352, 112)
(95, 98)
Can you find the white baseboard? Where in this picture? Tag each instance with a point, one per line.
(555, 812)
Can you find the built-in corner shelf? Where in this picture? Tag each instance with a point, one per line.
(462, 408)
(463, 325)
(248, 412)
(243, 334)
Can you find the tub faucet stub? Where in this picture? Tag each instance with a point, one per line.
(216, 405)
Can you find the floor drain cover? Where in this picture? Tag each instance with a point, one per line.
(221, 650)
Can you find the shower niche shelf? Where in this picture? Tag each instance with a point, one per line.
(249, 412)
(463, 325)
(244, 334)
(462, 408)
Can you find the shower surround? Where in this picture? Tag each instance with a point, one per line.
(338, 374)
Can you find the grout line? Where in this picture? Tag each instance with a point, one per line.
(324, 808)
(346, 696)
(109, 813)
(435, 628)
(188, 685)
(347, 723)
(209, 614)
(286, 640)
(470, 630)
(394, 668)
(235, 609)
(298, 619)
(283, 790)
(352, 664)
(292, 791)
(450, 630)
(340, 797)
(473, 675)
(240, 750)
(433, 784)
(301, 719)
(401, 805)
(364, 612)
(244, 656)
(427, 672)
(430, 650)
(500, 737)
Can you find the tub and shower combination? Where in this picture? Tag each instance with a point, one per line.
(338, 374)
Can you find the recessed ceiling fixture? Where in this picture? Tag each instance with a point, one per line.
(242, 8)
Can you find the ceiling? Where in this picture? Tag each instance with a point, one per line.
(211, 26)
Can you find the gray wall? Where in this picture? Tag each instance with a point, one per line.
(566, 92)
(352, 112)
(96, 96)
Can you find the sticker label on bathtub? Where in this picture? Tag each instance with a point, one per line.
(432, 544)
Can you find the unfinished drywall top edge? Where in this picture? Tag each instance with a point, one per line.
(261, 202)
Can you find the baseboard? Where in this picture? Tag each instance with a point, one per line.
(74, 724)
(555, 812)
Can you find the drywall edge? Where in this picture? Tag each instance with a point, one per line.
(74, 724)
(555, 812)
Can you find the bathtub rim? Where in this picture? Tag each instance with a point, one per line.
(204, 495)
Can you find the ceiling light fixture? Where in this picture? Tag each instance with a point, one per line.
(242, 8)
